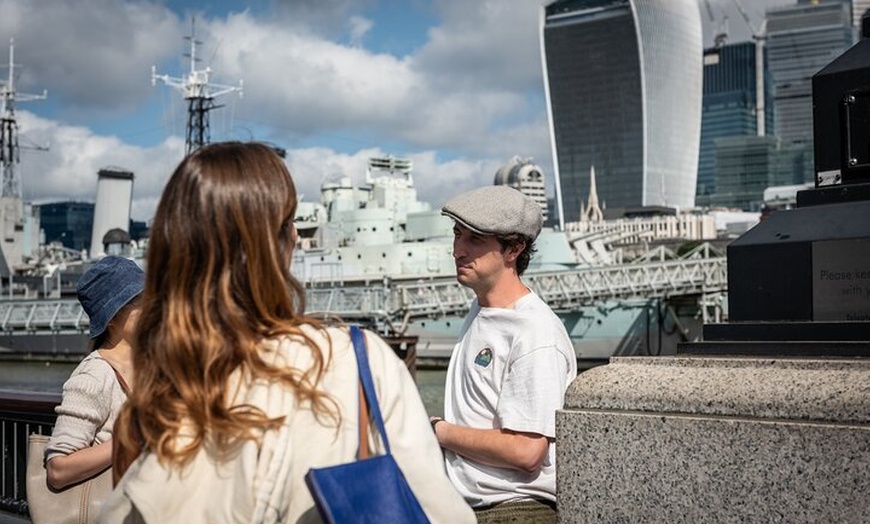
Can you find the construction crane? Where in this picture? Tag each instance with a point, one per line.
(759, 34)
(721, 30)
(198, 92)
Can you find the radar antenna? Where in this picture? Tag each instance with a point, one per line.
(9, 149)
(198, 92)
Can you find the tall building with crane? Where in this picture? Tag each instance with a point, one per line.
(801, 40)
(729, 107)
(737, 160)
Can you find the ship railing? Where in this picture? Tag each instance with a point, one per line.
(21, 413)
(568, 290)
(699, 272)
(351, 302)
(434, 299)
(32, 316)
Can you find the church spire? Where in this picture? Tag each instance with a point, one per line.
(592, 211)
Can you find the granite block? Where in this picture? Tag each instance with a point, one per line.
(694, 439)
(794, 389)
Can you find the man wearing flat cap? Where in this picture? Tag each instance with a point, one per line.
(510, 369)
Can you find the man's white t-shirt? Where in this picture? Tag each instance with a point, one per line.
(510, 369)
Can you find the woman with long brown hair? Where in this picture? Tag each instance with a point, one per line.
(237, 393)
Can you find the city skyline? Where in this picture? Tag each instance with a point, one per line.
(735, 165)
(453, 85)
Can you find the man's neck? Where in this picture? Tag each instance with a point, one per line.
(503, 295)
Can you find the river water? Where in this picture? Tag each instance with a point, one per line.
(45, 376)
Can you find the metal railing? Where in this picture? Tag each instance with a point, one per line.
(21, 413)
(700, 272)
(43, 316)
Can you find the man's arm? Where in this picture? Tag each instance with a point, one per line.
(501, 448)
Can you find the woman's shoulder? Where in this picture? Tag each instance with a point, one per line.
(335, 334)
(333, 339)
(307, 335)
(94, 365)
(92, 383)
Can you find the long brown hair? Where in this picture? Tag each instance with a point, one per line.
(217, 285)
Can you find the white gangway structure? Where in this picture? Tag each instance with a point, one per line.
(701, 272)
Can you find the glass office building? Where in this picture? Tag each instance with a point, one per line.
(728, 107)
(801, 40)
(69, 223)
(747, 165)
(623, 83)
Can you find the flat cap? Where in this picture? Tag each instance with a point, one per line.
(496, 210)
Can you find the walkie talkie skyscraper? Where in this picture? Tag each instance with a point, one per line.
(624, 83)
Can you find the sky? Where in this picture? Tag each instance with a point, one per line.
(454, 85)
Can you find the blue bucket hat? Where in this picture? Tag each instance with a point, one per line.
(106, 287)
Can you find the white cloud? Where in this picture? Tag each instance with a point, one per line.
(323, 86)
(92, 55)
(488, 44)
(467, 101)
(68, 169)
(359, 26)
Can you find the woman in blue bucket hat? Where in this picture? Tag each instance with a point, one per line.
(80, 445)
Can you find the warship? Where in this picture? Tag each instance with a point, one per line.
(374, 253)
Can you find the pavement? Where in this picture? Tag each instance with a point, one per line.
(8, 518)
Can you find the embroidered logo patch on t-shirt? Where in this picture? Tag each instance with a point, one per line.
(484, 357)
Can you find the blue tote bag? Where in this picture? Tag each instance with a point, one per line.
(372, 489)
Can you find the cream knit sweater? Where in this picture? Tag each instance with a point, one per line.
(92, 398)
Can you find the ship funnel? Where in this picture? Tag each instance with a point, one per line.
(112, 209)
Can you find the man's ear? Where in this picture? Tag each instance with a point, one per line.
(513, 252)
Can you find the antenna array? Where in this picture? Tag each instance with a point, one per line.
(9, 150)
(199, 93)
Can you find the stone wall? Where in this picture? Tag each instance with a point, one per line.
(689, 439)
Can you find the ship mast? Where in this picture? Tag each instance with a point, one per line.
(9, 149)
(198, 92)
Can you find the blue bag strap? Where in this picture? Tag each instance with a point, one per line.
(365, 376)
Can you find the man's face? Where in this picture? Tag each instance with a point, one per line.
(479, 258)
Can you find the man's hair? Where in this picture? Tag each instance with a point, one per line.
(525, 256)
